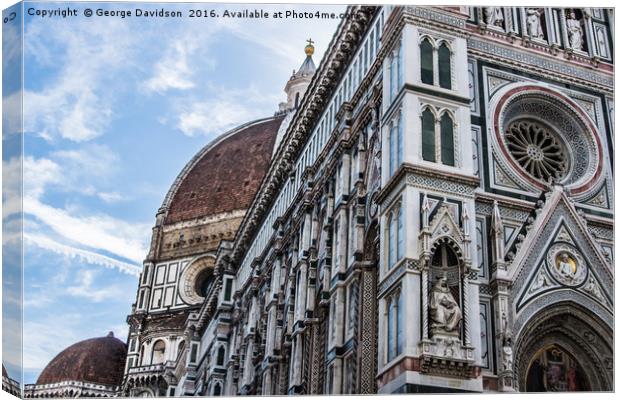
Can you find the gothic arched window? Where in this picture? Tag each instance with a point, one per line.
(394, 326)
(428, 135)
(426, 62)
(445, 258)
(395, 71)
(395, 236)
(445, 73)
(395, 139)
(447, 139)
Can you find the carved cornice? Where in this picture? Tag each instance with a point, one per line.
(437, 18)
(429, 178)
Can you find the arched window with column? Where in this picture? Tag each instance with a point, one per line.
(447, 139)
(428, 135)
(394, 321)
(445, 67)
(391, 239)
(395, 231)
(395, 78)
(426, 61)
(395, 139)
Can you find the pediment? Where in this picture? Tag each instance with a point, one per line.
(444, 224)
(560, 253)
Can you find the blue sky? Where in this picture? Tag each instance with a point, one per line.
(114, 108)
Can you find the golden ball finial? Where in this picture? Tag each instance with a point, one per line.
(309, 49)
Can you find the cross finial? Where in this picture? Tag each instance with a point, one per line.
(309, 49)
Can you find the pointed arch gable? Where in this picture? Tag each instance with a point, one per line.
(558, 222)
(544, 228)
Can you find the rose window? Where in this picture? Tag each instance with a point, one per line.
(537, 149)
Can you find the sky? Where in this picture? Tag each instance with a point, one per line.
(113, 109)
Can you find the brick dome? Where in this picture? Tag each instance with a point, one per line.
(225, 174)
(98, 360)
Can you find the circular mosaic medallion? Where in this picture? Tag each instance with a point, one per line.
(566, 264)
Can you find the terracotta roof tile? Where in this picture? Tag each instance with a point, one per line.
(227, 176)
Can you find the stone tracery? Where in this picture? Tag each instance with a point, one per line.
(537, 149)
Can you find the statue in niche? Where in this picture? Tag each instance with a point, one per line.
(507, 352)
(534, 27)
(575, 32)
(445, 312)
(494, 16)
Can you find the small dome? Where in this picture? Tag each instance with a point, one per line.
(98, 360)
(225, 174)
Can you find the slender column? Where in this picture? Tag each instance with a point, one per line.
(425, 301)
(435, 67)
(466, 322)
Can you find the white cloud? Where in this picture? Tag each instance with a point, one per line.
(110, 197)
(173, 71)
(100, 232)
(224, 110)
(85, 256)
(86, 166)
(12, 113)
(77, 102)
(11, 187)
(40, 173)
(82, 235)
(11, 46)
(85, 289)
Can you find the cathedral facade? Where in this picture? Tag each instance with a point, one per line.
(431, 210)
(435, 215)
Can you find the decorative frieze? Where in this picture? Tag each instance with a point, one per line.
(525, 60)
